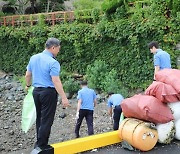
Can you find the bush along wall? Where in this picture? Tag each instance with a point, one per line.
(120, 43)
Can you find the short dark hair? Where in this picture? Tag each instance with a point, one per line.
(153, 44)
(52, 42)
(83, 83)
(110, 93)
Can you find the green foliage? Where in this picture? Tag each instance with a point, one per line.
(102, 79)
(41, 21)
(50, 5)
(96, 73)
(121, 12)
(87, 4)
(1, 14)
(83, 15)
(111, 83)
(96, 14)
(87, 15)
(120, 44)
(174, 6)
(110, 6)
(71, 86)
(64, 75)
(22, 43)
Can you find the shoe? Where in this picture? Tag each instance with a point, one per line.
(35, 145)
(77, 136)
(36, 150)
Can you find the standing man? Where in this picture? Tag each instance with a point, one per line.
(114, 104)
(86, 103)
(43, 71)
(161, 58)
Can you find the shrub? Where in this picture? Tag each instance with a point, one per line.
(87, 4)
(95, 74)
(71, 86)
(111, 83)
(110, 6)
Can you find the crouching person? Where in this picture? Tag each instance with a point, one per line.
(114, 105)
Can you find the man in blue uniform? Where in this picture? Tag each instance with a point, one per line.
(43, 72)
(86, 103)
(114, 104)
(161, 58)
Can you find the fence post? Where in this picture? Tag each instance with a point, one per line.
(64, 16)
(31, 19)
(12, 22)
(4, 21)
(53, 18)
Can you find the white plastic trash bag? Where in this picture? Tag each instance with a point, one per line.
(166, 132)
(28, 111)
(177, 127)
(175, 108)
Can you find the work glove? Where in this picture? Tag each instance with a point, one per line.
(77, 115)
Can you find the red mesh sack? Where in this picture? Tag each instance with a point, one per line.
(146, 108)
(169, 76)
(163, 92)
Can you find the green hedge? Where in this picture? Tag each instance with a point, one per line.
(121, 43)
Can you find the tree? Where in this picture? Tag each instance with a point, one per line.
(51, 5)
(34, 6)
(19, 5)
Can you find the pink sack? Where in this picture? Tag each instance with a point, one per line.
(169, 76)
(163, 92)
(146, 108)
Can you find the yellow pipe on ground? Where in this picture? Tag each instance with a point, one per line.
(86, 143)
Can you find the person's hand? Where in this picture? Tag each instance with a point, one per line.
(77, 115)
(111, 119)
(65, 102)
(27, 87)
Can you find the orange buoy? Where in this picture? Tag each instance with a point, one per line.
(138, 133)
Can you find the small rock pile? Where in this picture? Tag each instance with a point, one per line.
(11, 91)
(11, 99)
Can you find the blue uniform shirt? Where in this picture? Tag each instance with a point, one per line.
(115, 100)
(43, 66)
(162, 59)
(87, 96)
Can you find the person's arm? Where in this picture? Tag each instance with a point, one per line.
(28, 77)
(95, 102)
(78, 108)
(110, 111)
(79, 105)
(156, 69)
(59, 88)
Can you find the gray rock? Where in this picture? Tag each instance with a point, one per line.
(11, 132)
(8, 86)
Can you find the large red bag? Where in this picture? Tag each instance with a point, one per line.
(147, 108)
(163, 92)
(169, 76)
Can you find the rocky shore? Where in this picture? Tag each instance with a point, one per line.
(12, 138)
